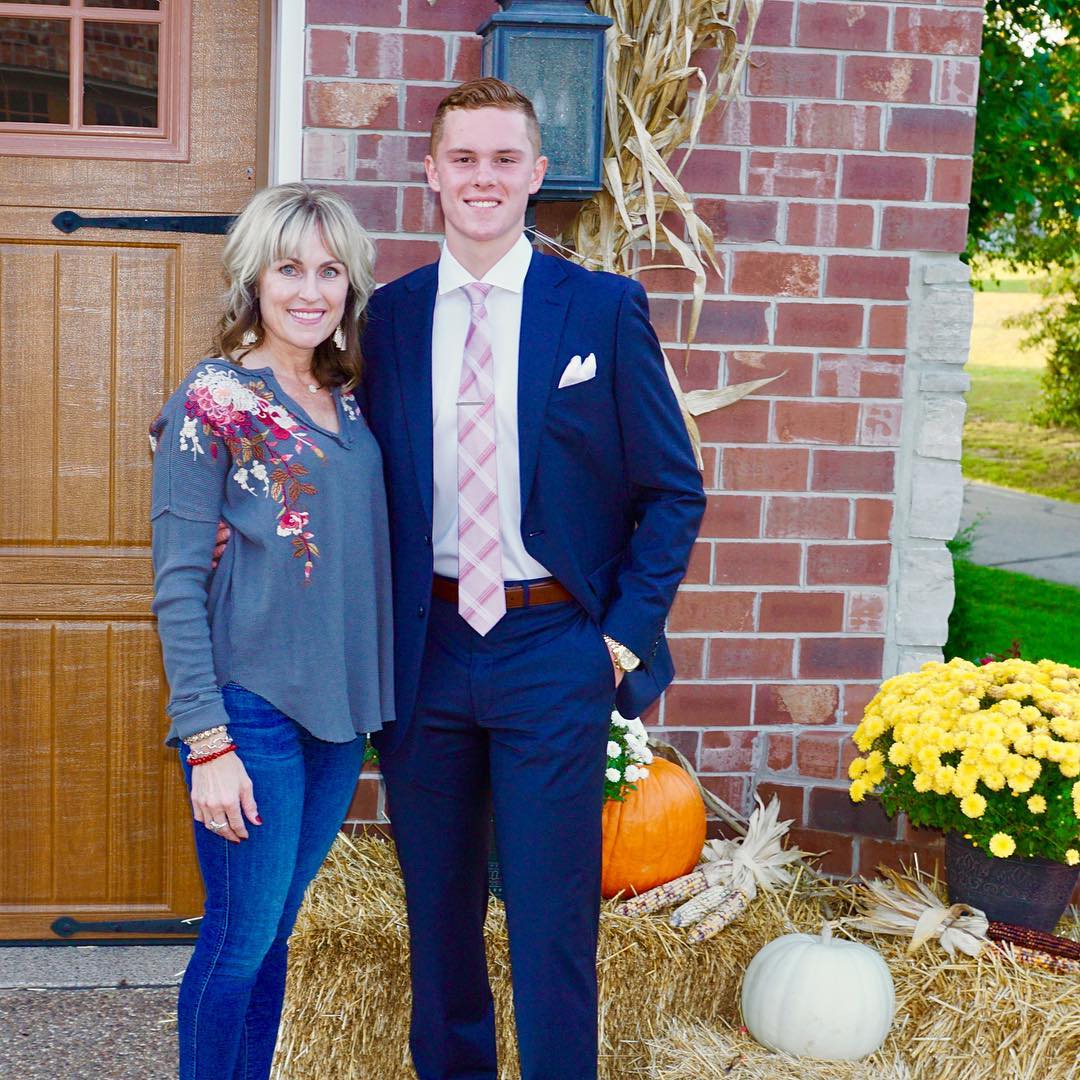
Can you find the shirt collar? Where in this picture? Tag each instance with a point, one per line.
(508, 273)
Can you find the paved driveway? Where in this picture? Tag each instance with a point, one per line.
(1027, 533)
(89, 1012)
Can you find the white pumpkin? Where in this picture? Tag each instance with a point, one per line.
(819, 997)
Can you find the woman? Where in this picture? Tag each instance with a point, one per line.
(280, 660)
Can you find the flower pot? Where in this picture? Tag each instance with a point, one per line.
(1025, 892)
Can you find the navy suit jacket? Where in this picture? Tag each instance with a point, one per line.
(611, 495)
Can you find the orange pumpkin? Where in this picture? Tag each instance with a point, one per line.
(656, 835)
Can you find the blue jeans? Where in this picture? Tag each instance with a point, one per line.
(233, 989)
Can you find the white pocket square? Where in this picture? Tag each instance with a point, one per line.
(579, 371)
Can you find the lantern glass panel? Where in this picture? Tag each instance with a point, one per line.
(566, 106)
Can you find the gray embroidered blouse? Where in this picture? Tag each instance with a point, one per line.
(299, 608)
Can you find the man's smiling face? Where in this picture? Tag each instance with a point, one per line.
(484, 168)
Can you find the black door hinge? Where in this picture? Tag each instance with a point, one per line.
(215, 224)
(66, 926)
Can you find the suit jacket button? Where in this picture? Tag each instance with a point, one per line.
(427, 539)
(420, 611)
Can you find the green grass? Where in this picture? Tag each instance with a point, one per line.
(1001, 445)
(994, 607)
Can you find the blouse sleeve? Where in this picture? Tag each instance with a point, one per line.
(191, 467)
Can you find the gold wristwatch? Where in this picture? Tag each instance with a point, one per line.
(623, 657)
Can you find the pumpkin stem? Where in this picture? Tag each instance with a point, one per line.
(826, 931)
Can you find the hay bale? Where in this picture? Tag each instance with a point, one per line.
(965, 1019)
(697, 1052)
(669, 1010)
(347, 1003)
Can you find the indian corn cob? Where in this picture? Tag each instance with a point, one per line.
(699, 906)
(730, 908)
(664, 895)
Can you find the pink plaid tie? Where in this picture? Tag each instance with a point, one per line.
(481, 597)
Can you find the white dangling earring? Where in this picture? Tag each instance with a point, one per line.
(339, 337)
(250, 337)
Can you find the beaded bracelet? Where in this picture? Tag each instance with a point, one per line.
(213, 756)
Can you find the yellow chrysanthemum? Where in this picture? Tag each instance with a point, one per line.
(923, 782)
(964, 786)
(1072, 856)
(974, 806)
(856, 768)
(899, 753)
(1037, 804)
(857, 791)
(1002, 845)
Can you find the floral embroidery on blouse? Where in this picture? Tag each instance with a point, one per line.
(349, 406)
(263, 440)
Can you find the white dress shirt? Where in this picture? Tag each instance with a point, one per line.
(451, 324)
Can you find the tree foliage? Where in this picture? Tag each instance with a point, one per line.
(1025, 201)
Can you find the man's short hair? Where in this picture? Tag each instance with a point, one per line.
(486, 93)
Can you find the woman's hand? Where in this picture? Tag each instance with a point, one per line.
(220, 790)
(221, 541)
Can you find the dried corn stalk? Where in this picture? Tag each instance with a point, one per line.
(655, 98)
(907, 907)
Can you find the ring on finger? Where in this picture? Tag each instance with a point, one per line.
(216, 825)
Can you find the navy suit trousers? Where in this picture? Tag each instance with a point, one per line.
(514, 725)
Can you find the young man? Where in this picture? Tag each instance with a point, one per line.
(543, 502)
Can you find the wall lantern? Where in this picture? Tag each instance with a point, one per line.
(553, 51)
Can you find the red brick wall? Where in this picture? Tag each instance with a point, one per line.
(850, 151)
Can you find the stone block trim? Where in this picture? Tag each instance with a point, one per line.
(836, 186)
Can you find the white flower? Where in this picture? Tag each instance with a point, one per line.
(642, 774)
(636, 727)
(613, 749)
(241, 477)
(189, 437)
(613, 776)
(647, 756)
(631, 773)
(258, 470)
(618, 721)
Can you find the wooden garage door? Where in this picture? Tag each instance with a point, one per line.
(96, 327)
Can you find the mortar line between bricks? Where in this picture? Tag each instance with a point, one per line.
(742, 149)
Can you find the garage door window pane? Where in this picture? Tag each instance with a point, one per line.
(120, 74)
(34, 65)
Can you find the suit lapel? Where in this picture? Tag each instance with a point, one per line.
(543, 312)
(412, 333)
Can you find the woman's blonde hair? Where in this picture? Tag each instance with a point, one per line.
(270, 228)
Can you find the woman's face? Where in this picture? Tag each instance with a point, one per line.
(302, 299)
